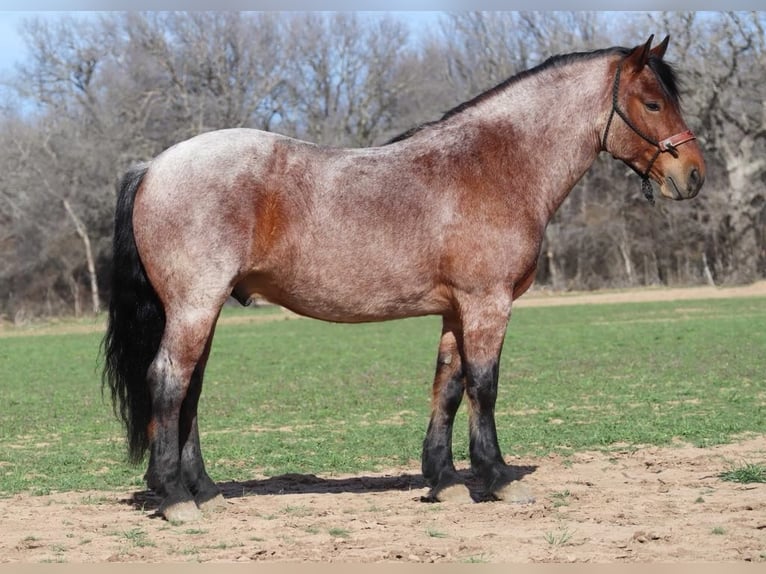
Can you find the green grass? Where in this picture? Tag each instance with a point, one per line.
(138, 537)
(560, 537)
(746, 474)
(310, 397)
(560, 498)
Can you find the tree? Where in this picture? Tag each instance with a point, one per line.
(724, 57)
(346, 80)
(201, 71)
(61, 170)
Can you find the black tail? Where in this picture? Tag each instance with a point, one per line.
(135, 326)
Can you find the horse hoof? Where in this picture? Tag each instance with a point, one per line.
(514, 493)
(216, 504)
(181, 512)
(455, 493)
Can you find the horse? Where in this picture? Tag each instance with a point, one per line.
(446, 219)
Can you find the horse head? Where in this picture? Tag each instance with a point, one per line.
(653, 138)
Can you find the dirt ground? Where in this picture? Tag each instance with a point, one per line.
(646, 505)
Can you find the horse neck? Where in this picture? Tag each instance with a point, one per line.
(552, 119)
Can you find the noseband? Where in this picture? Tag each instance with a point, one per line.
(667, 145)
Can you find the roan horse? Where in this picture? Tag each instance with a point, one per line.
(446, 219)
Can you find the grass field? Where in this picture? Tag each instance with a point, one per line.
(304, 396)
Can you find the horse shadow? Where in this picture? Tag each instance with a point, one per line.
(295, 483)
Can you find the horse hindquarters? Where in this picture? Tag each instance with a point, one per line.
(165, 303)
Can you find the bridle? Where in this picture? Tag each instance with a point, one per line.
(667, 145)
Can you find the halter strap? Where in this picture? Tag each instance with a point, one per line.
(667, 145)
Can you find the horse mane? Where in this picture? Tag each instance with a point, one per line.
(664, 72)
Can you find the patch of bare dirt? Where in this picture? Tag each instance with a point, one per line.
(654, 504)
(542, 297)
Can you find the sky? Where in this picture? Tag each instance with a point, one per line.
(422, 13)
(12, 49)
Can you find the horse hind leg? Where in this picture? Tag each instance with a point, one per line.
(206, 494)
(449, 382)
(171, 381)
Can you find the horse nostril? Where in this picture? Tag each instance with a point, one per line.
(695, 180)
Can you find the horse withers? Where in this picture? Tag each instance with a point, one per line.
(447, 219)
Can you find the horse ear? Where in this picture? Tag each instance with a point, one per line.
(659, 49)
(639, 56)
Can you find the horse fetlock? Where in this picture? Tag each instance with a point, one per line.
(492, 472)
(437, 460)
(207, 495)
(153, 482)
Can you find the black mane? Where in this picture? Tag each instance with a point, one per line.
(664, 72)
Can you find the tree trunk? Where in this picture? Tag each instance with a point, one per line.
(625, 252)
(74, 288)
(551, 237)
(553, 269)
(743, 168)
(706, 270)
(82, 232)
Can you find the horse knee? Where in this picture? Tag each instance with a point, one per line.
(482, 386)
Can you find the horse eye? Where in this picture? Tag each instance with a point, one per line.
(652, 106)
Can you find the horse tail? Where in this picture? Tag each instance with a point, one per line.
(135, 324)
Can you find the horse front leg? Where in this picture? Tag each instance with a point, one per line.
(449, 384)
(484, 326)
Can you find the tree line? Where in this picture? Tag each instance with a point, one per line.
(99, 93)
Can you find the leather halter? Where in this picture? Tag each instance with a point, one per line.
(667, 145)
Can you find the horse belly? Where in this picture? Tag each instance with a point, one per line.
(345, 295)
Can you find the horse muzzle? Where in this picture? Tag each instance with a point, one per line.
(683, 185)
